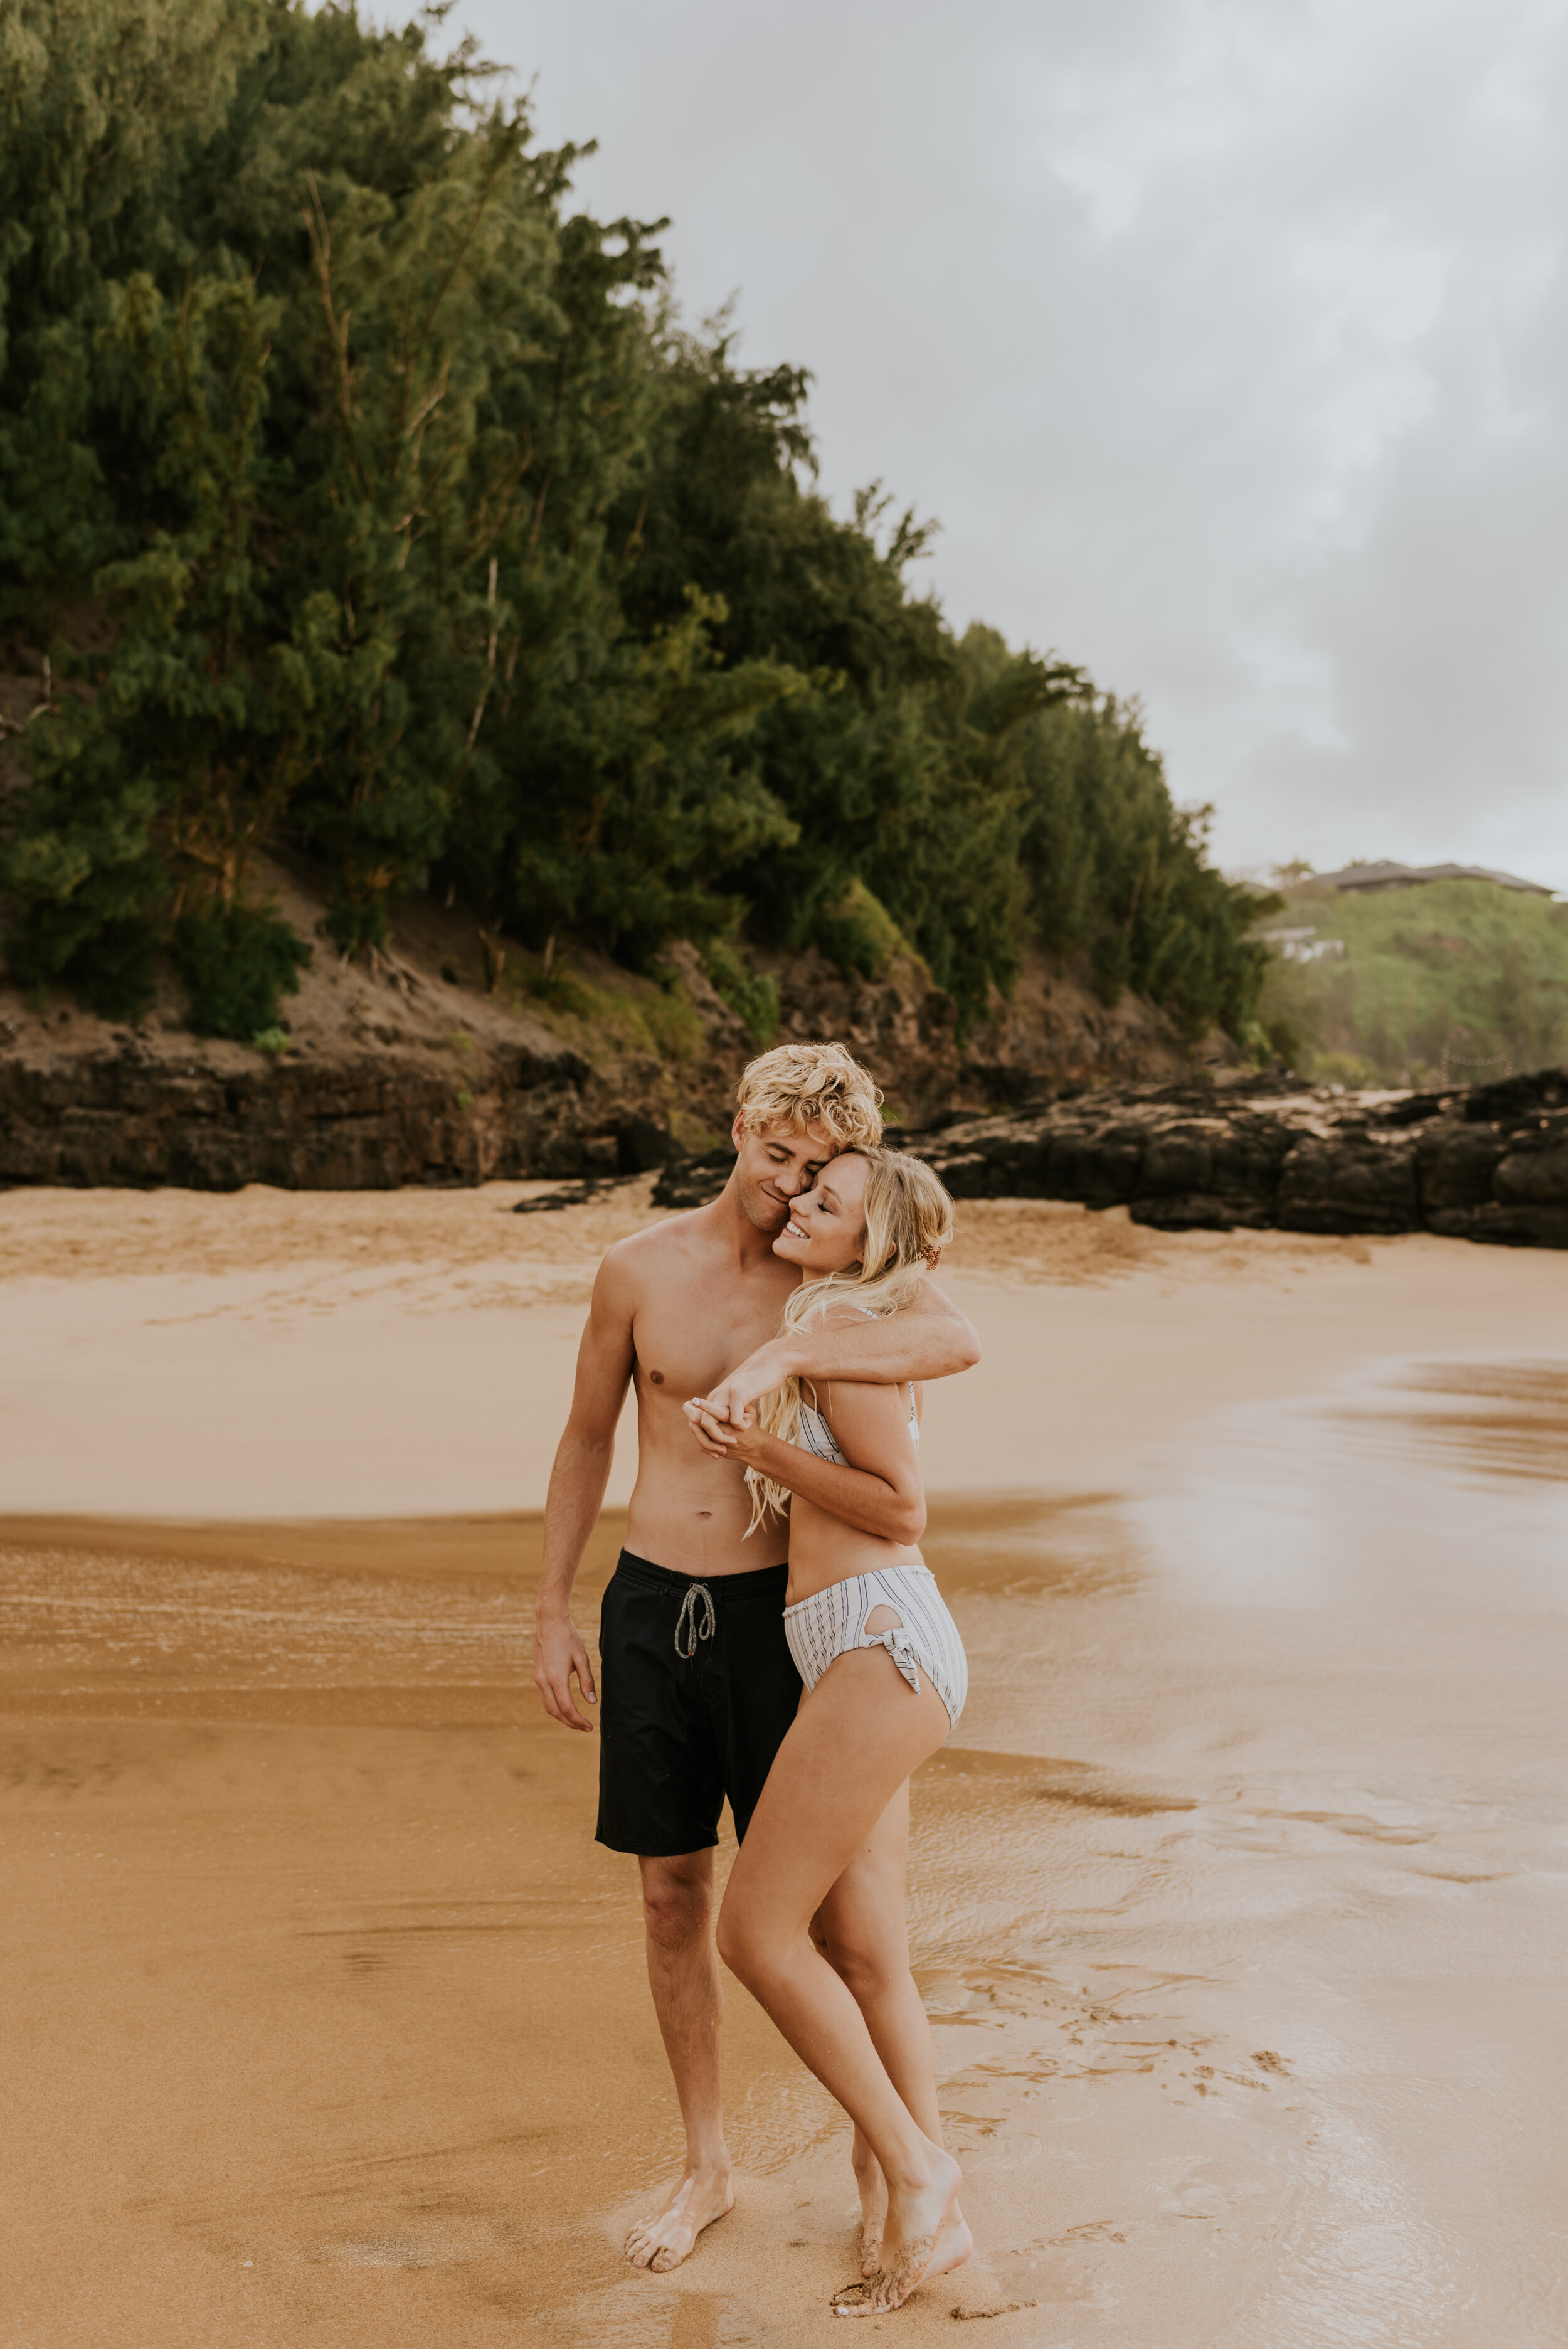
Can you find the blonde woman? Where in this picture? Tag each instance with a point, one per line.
(813, 1919)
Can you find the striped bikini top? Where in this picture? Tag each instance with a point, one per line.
(815, 1436)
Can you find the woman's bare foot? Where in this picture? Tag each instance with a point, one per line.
(662, 2241)
(953, 2244)
(873, 2189)
(916, 2224)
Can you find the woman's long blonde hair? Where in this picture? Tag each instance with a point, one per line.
(909, 1222)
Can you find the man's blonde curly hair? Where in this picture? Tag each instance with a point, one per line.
(798, 1085)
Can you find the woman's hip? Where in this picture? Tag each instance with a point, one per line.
(897, 1608)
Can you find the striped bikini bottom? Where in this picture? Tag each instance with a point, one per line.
(833, 1620)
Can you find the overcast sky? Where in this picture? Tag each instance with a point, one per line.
(1226, 338)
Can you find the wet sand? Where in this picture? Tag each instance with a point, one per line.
(1239, 1895)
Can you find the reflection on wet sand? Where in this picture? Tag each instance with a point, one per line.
(1028, 1548)
(1239, 1916)
(1514, 1421)
(418, 1621)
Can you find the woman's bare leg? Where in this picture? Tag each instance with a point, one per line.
(855, 1742)
(860, 1928)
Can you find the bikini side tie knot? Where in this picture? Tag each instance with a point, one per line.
(900, 1647)
(691, 1626)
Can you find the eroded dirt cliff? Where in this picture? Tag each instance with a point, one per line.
(456, 1057)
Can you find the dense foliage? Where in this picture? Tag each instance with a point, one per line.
(1449, 983)
(356, 492)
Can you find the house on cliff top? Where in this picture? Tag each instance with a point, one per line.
(1385, 875)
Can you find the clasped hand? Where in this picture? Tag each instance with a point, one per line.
(723, 1439)
(723, 1421)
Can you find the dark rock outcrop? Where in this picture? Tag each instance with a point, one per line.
(693, 1182)
(131, 1117)
(1490, 1163)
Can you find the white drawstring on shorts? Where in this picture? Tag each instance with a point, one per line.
(691, 1626)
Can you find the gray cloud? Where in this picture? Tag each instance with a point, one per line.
(1226, 338)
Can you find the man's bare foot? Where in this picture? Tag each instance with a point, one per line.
(662, 2241)
(917, 2224)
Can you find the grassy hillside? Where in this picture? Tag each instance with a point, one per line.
(1452, 982)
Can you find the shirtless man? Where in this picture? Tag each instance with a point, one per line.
(699, 1685)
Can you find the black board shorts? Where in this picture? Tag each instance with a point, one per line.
(695, 1697)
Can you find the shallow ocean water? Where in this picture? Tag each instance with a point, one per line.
(1304, 1688)
(1239, 1902)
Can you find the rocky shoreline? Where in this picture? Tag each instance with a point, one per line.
(1217, 1153)
(1487, 1163)
(1490, 1163)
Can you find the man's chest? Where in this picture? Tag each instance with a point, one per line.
(686, 1344)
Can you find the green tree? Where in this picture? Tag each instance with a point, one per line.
(364, 496)
(1118, 871)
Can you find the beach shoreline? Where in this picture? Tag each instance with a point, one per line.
(277, 1355)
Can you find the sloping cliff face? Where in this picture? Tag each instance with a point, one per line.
(1053, 1033)
(453, 1060)
(1487, 1163)
(401, 1070)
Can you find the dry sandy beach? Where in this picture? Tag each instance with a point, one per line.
(1239, 1896)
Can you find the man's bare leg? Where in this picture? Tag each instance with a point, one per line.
(682, 1974)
